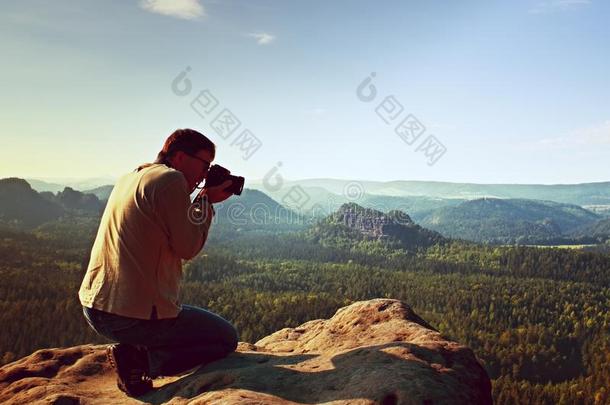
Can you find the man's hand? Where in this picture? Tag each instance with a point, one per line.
(217, 193)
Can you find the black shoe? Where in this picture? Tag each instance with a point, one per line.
(131, 365)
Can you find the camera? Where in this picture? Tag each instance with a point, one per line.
(218, 175)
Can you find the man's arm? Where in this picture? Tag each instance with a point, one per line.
(203, 211)
(186, 224)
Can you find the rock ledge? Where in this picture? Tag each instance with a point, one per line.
(371, 352)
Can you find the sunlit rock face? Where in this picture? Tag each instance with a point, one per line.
(371, 352)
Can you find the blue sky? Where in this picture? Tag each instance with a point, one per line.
(516, 92)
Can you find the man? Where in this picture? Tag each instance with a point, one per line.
(130, 290)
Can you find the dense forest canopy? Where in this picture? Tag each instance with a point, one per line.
(536, 317)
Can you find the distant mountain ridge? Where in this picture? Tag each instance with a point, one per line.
(101, 192)
(580, 194)
(482, 220)
(254, 209)
(57, 184)
(332, 193)
(22, 207)
(508, 220)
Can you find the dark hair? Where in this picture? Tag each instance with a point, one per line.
(186, 140)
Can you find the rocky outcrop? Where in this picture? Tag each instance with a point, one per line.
(371, 222)
(376, 351)
(351, 223)
(21, 207)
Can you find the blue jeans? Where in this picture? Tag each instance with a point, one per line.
(174, 345)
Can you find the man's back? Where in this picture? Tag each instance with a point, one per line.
(135, 266)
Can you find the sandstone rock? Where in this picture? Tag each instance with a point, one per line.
(376, 351)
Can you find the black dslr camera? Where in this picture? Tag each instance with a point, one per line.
(218, 175)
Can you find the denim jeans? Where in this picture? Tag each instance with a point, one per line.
(175, 345)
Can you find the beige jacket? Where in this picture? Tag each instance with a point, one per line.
(148, 226)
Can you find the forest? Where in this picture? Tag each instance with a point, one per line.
(536, 317)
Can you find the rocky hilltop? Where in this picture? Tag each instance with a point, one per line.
(352, 222)
(371, 352)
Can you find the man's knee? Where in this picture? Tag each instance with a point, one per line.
(232, 339)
